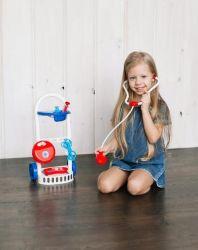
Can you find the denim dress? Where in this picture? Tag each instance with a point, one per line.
(137, 148)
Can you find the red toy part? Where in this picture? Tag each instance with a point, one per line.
(101, 158)
(55, 170)
(133, 104)
(154, 77)
(43, 152)
(66, 106)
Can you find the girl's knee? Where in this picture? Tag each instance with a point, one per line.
(136, 187)
(105, 186)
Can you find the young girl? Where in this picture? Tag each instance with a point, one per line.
(139, 143)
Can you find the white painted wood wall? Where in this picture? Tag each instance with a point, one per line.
(81, 45)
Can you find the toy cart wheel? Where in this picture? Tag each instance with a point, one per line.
(74, 167)
(33, 171)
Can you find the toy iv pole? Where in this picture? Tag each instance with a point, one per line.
(100, 156)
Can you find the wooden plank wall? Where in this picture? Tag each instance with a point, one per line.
(77, 48)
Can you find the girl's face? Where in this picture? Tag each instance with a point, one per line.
(140, 78)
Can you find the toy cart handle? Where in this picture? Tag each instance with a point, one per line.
(59, 97)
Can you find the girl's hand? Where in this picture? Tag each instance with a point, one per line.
(108, 148)
(105, 150)
(146, 100)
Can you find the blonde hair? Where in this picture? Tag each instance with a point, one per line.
(121, 109)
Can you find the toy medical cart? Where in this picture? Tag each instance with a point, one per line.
(44, 151)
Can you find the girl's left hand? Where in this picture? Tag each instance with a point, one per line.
(146, 100)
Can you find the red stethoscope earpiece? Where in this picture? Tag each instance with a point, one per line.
(154, 77)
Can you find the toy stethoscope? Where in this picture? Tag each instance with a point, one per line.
(101, 158)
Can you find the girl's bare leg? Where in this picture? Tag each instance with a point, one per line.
(112, 179)
(139, 182)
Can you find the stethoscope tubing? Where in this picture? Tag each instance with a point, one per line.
(127, 102)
